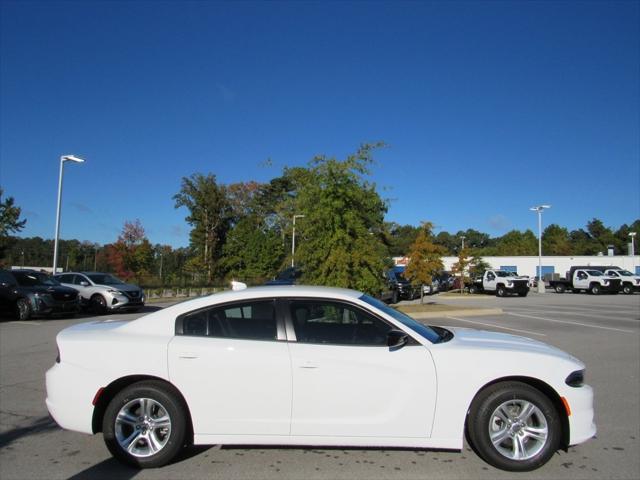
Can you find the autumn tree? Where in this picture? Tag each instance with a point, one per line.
(461, 267)
(131, 256)
(340, 238)
(425, 257)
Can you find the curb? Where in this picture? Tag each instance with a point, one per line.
(472, 312)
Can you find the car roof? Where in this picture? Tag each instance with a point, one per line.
(169, 313)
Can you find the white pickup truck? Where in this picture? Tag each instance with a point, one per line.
(590, 279)
(630, 282)
(501, 283)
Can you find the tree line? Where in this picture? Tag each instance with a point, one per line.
(244, 231)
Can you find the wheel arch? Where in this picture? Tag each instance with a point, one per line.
(121, 383)
(543, 387)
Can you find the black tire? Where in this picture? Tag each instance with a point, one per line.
(501, 291)
(98, 304)
(522, 294)
(627, 289)
(395, 297)
(486, 414)
(473, 289)
(167, 403)
(560, 288)
(23, 309)
(595, 289)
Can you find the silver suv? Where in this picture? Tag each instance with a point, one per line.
(103, 292)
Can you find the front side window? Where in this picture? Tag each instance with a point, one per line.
(327, 322)
(78, 279)
(247, 321)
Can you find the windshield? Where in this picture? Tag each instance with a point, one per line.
(32, 279)
(624, 273)
(595, 273)
(422, 330)
(105, 279)
(503, 274)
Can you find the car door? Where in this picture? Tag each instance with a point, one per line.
(490, 281)
(232, 365)
(348, 383)
(580, 279)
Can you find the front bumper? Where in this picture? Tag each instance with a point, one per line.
(581, 421)
(518, 287)
(42, 306)
(124, 302)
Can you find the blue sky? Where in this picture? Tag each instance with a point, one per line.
(487, 108)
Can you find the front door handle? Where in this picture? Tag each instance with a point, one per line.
(187, 356)
(308, 365)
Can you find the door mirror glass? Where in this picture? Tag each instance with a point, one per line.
(397, 339)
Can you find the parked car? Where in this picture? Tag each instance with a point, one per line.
(298, 365)
(590, 279)
(501, 283)
(103, 292)
(27, 293)
(397, 287)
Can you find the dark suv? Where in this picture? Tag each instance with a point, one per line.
(27, 293)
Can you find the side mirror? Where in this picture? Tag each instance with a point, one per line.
(397, 339)
(84, 284)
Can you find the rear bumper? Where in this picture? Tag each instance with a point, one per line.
(70, 392)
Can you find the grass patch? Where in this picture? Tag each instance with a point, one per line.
(430, 307)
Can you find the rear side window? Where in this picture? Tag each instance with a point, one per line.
(247, 321)
(336, 323)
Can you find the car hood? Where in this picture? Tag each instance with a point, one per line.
(48, 289)
(486, 340)
(123, 287)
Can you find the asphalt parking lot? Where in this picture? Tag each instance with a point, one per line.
(603, 331)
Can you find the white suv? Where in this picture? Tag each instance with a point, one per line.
(103, 292)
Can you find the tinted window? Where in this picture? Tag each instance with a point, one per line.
(78, 279)
(248, 321)
(31, 279)
(6, 277)
(64, 278)
(318, 321)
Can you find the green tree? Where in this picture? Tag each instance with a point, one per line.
(339, 241)
(210, 215)
(516, 243)
(478, 265)
(9, 223)
(399, 238)
(556, 241)
(425, 257)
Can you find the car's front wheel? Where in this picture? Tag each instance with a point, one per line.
(144, 425)
(98, 304)
(514, 426)
(627, 289)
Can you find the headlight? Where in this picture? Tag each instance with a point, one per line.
(606, 283)
(115, 292)
(509, 284)
(575, 379)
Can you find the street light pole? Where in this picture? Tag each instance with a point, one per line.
(293, 240)
(633, 247)
(63, 158)
(463, 237)
(539, 209)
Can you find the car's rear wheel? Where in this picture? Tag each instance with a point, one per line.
(23, 309)
(98, 304)
(514, 426)
(560, 288)
(144, 425)
(522, 294)
(473, 289)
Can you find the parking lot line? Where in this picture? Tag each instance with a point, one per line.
(571, 323)
(497, 326)
(558, 312)
(21, 322)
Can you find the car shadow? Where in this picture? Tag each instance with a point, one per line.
(38, 425)
(109, 469)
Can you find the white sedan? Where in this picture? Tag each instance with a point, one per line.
(297, 365)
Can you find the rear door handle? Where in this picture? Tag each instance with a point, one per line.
(308, 365)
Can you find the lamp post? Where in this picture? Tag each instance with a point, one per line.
(63, 158)
(539, 209)
(633, 247)
(462, 237)
(293, 239)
